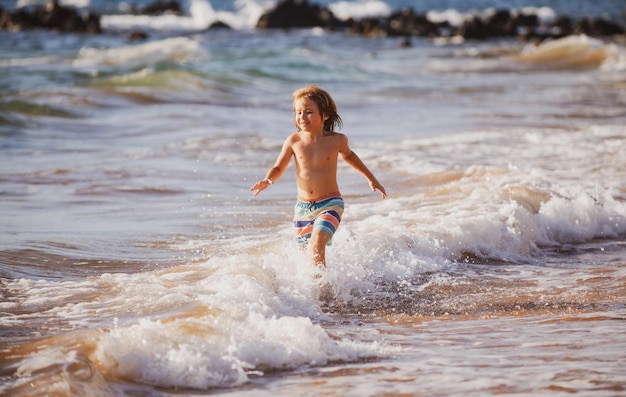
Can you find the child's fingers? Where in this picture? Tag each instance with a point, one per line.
(258, 187)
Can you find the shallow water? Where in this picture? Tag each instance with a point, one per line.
(134, 261)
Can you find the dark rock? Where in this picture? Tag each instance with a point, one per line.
(136, 35)
(598, 27)
(162, 7)
(564, 25)
(405, 23)
(408, 23)
(18, 20)
(527, 20)
(298, 14)
(370, 27)
(52, 16)
(219, 25)
(406, 42)
(473, 28)
(500, 24)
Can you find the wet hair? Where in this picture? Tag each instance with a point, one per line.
(324, 102)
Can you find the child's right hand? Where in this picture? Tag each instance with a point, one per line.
(260, 186)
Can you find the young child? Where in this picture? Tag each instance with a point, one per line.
(315, 148)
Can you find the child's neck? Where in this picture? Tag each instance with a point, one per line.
(313, 134)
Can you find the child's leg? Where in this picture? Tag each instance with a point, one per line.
(317, 245)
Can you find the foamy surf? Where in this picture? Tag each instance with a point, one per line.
(200, 16)
(175, 49)
(572, 52)
(345, 10)
(225, 319)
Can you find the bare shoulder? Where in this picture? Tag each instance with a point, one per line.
(339, 140)
(291, 139)
(337, 136)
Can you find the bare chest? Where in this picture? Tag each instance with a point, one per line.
(316, 154)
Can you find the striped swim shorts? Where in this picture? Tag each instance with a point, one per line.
(322, 214)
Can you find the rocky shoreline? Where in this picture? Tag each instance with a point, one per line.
(294, 14)
(52, 17)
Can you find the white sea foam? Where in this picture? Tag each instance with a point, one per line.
(504, 210)
(199, 17)
(221, 352)
(578, 51)
(247, 13)
(546, 15)
(345, 10)
(208, 325)
(452, 16)
(64, 3)
(174, 49)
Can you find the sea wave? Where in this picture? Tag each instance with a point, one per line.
(345, 10)
(572, 52)
(132, 56)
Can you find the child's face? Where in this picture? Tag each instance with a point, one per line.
(308, 116)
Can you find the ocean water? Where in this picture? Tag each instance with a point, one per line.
(135, 262)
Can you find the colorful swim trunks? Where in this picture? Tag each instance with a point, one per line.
(322, 214)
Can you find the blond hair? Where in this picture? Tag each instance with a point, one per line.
(324, 102)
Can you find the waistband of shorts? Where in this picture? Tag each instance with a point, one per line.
(321, 198)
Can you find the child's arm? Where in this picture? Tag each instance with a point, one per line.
(355, 162)
(277, 170)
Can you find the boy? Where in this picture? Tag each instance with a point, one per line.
(315, 148)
